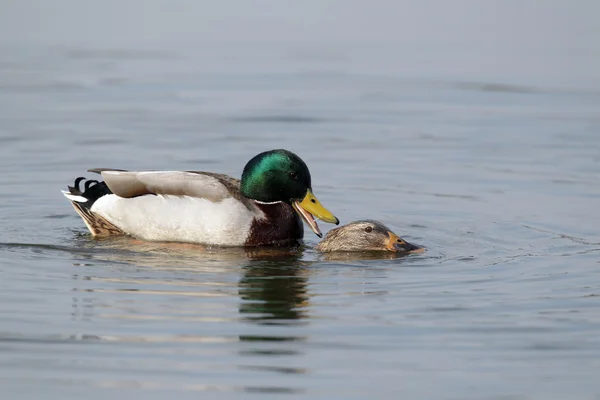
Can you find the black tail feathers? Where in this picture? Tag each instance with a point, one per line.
(92, 190)
(82, 201)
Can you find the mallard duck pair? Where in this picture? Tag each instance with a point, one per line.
(266, 207)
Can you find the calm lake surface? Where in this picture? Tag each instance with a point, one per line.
(499, 180)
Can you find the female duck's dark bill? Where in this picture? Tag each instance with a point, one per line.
(309, 207)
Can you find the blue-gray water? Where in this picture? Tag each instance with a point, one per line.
(493, 167)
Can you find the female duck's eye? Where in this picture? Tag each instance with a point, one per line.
(368, 229)
(293, 175)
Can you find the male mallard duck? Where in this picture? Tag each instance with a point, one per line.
(365, 235)
(205, 207)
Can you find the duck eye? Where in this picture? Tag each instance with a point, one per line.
(293, 175)
(369, 229)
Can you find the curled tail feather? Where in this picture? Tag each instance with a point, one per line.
(82, 201)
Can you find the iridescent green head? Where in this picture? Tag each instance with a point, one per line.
(276, 175)
(282, 176)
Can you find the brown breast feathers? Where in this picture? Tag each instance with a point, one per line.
(280, 227)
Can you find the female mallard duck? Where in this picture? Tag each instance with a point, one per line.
(205, 207)
(366, 235)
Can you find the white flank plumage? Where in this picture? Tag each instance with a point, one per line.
(179, 218)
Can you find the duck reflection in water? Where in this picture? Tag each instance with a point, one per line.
(273, 288)
(274, 293)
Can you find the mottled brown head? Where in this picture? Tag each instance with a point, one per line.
(365, 235)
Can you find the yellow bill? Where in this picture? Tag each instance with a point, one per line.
(309, 208)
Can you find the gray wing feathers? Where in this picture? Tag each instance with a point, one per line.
(177, 183)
